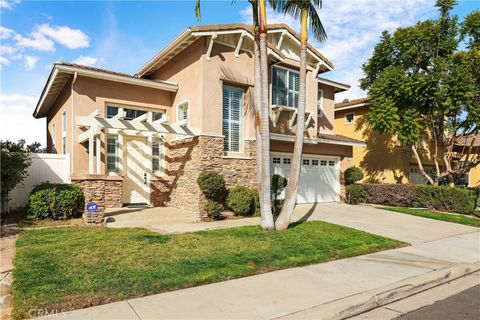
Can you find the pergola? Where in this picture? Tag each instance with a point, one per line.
(142, 126)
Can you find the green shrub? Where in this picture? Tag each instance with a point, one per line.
(256, 201)
(353, 175)
(402, 195)
(355, 194)
(444, 198)
(55, 201)
(212, 185)
(241, 201)
(278, 184)
(213, 209)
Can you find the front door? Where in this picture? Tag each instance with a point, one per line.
(137, 164)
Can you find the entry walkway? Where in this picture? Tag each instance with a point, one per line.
(300, 293)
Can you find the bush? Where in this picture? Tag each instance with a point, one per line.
(278, 184)
(445, 198)
(212, 185)
(402, 195)
(55, 201)
(256, 202)
(241, 201)
(213, 209)
(353, 175)
(355, 194)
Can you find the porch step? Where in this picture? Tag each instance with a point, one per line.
(136, 205)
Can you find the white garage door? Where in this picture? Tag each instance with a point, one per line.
(319, 177)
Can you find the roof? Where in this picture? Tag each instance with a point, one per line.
(338, 86)
(188, 36)
(471, 140)
(339, 139)
(63, 71)
(356, 103)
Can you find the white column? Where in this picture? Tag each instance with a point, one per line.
(90, 151)
(99, 155)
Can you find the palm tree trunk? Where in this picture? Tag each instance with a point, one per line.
(267, 222)
(283, 219)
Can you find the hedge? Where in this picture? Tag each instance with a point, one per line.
(442, 198)
(56, 201)
(241, 201)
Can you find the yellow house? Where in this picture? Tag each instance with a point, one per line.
(385, 160)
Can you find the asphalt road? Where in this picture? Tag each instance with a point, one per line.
(462, 306)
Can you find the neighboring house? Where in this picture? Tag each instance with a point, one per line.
(145, 138)
(385, 159)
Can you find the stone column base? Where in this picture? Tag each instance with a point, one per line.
(94, 218)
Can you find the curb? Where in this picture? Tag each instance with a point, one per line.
(362, 302)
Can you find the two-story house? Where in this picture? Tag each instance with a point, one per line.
(145, 138)
(385, 160)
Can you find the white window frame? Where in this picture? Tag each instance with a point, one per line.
(183, 122)
(353, 120)
(159, 156)
(64, 131)
(320, 103)
(240, 133)
(54, 137)
(122, 107)
(288, 70)
(116, 154)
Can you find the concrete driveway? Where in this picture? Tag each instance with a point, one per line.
(403, 227)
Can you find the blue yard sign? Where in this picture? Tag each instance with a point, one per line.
(92, 207)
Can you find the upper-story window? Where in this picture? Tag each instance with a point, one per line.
(285, 87)
(182, 112)
(349, 118)
(132, 113)
(232, 115)
(320, 103)
(64, 132)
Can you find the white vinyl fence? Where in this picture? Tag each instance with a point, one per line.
(45, 167)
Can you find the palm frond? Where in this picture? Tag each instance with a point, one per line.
(316, 25)
(198, 14)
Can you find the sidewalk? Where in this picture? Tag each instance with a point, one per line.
(307, 292)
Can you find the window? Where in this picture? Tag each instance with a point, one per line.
(331, 163)
(232, 114)
(276, 160)
(64, 132)
(182, 113)
(320, 103)
(54, 138)
(323, 162)
(156, 156)
(158, 115)
(286, 160)
(112, 153)
(285, 87)
(349, 118)
(131, 114)
(306, 161)
(112, 111)
(314, 162)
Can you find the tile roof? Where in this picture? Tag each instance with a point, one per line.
(352, 102)
(81, 66)
(338, 137)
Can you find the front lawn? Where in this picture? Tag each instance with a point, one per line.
(455, 218)
(71, 268)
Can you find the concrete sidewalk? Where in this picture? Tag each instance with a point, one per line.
(306, 292)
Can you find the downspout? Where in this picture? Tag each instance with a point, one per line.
(72, 122)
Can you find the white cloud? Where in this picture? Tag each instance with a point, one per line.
(4, 61)
(70, 38)
(37, 41)
(17, 120)
(6, 33)
(8, 4)
(86, 60)
(30, 62)
(353, 30)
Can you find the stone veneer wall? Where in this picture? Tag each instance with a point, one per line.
(105, 191)
(188, 158)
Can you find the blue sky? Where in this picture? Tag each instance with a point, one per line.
(123, 35)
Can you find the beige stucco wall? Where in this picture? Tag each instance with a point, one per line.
(54, 116)
(91, 94)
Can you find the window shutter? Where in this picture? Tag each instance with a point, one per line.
(232, 113)
(279, 86)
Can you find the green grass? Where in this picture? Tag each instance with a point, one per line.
(455, 218)
(70, 268)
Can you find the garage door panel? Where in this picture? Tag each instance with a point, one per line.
(319, 178)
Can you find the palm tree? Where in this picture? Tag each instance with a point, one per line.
(262, 136)
(305, 10)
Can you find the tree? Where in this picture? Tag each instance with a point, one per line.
(422, 85)
(262, 134)
(305, 10)
(14, 168)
